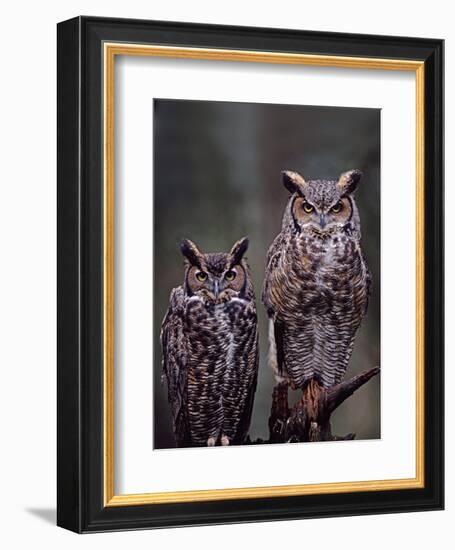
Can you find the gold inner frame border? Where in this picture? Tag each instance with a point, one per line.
(110, 51)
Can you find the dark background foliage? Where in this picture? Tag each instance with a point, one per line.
(217, 178)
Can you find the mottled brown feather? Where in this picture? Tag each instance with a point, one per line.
(210, 350)
(317, 283)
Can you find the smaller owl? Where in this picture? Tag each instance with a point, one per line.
(209, 343)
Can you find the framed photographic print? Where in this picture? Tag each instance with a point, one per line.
(250, 274)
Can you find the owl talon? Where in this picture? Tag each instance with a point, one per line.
(211, 441)
(224, 440)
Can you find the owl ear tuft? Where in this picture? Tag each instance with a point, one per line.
(238, 250)
(293, 181)
(348, 181)
(191, 252)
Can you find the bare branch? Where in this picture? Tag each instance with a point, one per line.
(309, 418)
(339, 393)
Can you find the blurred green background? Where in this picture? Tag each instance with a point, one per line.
(217, 178)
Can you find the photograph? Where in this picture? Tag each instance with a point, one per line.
(250, 273)
(267, 275)
(224, 273)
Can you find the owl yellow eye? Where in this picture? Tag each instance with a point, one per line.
(336, 208)
(230, 275)
(201, 276)
(307, 207)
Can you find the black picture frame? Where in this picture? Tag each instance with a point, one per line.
(80, 476)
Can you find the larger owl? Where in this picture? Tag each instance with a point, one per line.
(209, 341)
(317, 282)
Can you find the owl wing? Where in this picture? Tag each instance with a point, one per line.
(277, 335)
(253, 359)
(174, 349)
(368, 283)
(273, 258)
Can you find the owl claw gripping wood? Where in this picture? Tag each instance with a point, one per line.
(210, 348)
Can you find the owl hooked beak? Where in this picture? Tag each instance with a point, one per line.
(322, 220)
(215, 288)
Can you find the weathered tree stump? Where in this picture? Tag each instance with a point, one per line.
(309, 419)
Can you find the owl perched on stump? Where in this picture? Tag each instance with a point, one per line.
(209, 342)
(317, 282)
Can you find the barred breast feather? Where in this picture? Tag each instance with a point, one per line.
(316, 292)
(210, 359)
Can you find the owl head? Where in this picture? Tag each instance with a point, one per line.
(322, 206)
(216, 277)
